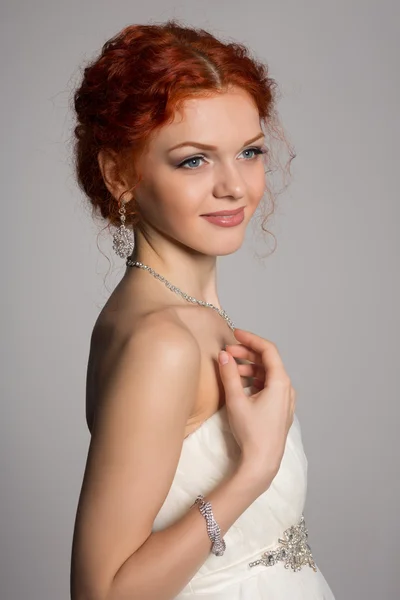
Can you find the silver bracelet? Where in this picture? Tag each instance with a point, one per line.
(213, 530)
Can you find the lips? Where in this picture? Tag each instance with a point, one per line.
(223, 213)
(226, 220)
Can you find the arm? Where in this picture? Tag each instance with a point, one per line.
(139, 432)
(169, 559)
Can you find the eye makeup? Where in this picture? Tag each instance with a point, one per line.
(258, 150)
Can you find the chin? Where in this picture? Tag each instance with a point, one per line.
(222, 247)
(219, 242)
(225, 249)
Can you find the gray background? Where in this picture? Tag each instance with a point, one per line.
(328, 296)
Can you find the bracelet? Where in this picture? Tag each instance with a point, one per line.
(213, 530)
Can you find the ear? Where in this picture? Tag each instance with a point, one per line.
(114, 176)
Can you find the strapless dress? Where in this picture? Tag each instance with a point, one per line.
(268, 553)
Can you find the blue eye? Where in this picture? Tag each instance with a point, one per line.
(257, 149)
(189, 161)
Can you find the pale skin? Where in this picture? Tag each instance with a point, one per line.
(155, 372)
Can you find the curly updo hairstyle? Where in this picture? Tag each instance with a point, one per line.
(139, 81)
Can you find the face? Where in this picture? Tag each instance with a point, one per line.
(211, 158)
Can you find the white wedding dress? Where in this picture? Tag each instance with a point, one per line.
(210, 453)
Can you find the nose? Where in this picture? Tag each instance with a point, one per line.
(228, 182)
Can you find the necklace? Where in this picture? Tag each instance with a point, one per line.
(173, 288)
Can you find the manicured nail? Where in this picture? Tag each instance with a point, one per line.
(223, 357)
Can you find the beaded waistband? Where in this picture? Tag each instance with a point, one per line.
(293, 550)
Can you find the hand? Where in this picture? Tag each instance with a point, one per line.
(260, 422)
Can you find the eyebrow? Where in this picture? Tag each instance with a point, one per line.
(211, 147)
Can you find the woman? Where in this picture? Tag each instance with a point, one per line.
(195, 480)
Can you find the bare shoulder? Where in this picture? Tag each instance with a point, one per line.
(162, 349)
(151, 341)
(135, 447)
(155, 368)
(161, 329)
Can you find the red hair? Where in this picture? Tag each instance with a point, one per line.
(137, 83)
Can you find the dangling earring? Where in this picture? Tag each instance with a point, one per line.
(123, 240)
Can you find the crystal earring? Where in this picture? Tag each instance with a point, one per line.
(123, 240)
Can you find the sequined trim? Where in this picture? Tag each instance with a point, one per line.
(293, 550)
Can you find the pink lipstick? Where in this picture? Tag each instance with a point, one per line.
(226, 218)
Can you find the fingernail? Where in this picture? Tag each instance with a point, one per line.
(223, 357)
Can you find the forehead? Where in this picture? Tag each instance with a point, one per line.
(223, 117)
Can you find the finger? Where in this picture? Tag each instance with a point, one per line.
(252, 371)
(271, 358)
(230, 377)
(258, 344)
(259, 384)
(241, 351)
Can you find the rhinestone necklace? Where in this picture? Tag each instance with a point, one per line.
(173, 288)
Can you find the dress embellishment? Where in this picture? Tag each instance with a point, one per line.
(293, 550)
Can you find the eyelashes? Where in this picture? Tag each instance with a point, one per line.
(258, 150)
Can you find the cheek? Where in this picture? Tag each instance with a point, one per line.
(256, 184)
(181, 194)
(171, 201)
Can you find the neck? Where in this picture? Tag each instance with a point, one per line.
(192, 272)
